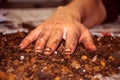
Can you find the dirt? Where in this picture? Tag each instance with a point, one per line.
(16, 64)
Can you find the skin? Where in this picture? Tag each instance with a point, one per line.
(70, 22)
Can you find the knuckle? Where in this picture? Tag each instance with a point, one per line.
(29, 39)
(73, 42)
(55, 40)
(59, 22)
(41, 40)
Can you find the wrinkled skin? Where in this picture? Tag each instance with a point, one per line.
(62, 24)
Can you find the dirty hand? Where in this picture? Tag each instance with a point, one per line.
(63, 24)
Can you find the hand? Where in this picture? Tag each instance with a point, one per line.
(62, 24)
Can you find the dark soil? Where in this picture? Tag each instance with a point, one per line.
(16, 64)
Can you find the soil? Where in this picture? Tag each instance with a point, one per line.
(16, 64)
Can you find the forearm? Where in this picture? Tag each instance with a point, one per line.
(94, 14)
(89, 12)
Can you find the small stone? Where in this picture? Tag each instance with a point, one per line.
(75, 64)
(102, 63)
(98, 39)
(11, 69)
(28, 50)
(45, 68)
(94, 58)
(111, 58)
(42, 70)
(109, 45)
(57, 78)
(96, 68)
(34, 66)
(84, 57)
(70, 75)
(84, 70)
(64, 70)
(22, 58)
(67, 56)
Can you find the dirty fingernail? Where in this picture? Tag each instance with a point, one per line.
(21, 46)
(38, 49)
(67, 51)
(47, 49)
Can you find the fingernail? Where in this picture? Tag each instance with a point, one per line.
(47, 49)
(21, 46)
(67, 51)
(38, 49)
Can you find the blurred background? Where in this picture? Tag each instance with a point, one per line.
(13, 13)
(16, 14)
(31, 3)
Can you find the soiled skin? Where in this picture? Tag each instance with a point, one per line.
(70, 22)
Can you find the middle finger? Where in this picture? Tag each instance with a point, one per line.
(53, 41)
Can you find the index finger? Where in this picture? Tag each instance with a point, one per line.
(32, 36)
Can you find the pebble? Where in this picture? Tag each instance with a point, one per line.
(94, 58)
(75, 64)
(96, 68)
(57, 78)
(22, 58)
(11, 69)
(109, 45)
(102, 63)
(84, 70)
(34, 66)
(98, 39)
(84, 57)
(111, 58)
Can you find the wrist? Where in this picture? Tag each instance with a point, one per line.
(75, 13)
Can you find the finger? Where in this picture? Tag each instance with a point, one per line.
(30, 38)
(53, 42)
(41, 41)
(86, 39)
(71, 42)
